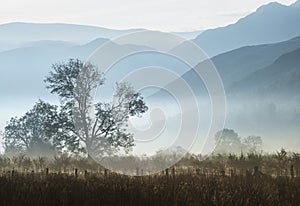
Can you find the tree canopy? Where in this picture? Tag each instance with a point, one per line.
(78, 125)
(228, 141)
(35, 133)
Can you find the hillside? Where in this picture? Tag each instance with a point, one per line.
(235, 65)
(268, 24)
(282, 78)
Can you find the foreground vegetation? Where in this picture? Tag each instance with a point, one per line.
(280, 163)
(180, 189)
(251, 179)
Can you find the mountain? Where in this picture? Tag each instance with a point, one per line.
(14, 35)
(262, 85)
(296, 4)
(282, 78)
(188, 35)
(268, 24)
(29, 65)
(235, 65)
(267, 101)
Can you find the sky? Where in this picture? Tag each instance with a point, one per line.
(163, 15)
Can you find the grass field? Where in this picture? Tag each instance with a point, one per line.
(251, 179)
(155, 190)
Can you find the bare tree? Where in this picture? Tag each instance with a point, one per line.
(101, 127)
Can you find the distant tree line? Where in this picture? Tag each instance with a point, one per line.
(280, 163)
(228, 141)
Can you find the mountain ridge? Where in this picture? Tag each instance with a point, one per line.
(239, 63)
(16, 34)
(268, 24)
(296, 4)
(280, 78)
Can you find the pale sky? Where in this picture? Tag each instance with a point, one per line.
(164, 15)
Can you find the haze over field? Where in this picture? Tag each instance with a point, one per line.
(256, 52)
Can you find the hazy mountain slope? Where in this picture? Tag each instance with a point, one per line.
(13, 35)
(296, 4)
(188, 35)
(237, 64)
(23, 69)
(270, 23)
(282, 78)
